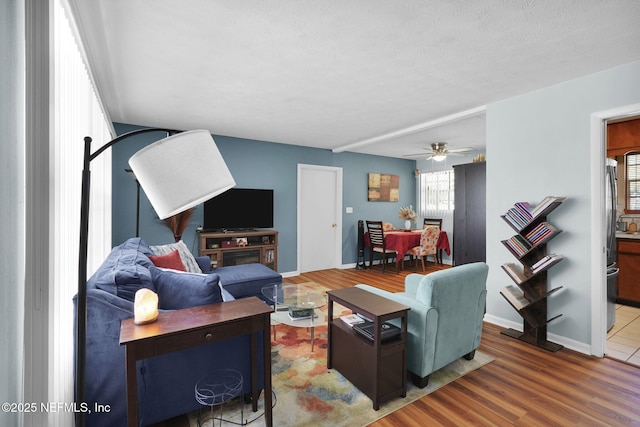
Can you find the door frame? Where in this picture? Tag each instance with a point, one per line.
(598, 218)
(337, 259)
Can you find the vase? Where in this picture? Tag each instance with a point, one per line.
(407, 224)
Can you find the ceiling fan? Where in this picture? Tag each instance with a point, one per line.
(439, 152)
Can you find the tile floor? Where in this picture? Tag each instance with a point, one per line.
(623, 340)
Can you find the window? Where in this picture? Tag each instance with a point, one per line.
(632, 170)
(436, 194)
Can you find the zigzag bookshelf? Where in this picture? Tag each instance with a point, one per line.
(529, 247)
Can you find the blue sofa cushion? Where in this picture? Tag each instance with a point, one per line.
(247, 280)
(125, 270)
(179, 289)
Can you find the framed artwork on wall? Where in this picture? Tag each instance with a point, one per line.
(383, 187)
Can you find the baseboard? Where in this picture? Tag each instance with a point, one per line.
(568, 343)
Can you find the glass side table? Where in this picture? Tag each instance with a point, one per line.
(295, 305)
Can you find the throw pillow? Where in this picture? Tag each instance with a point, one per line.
(177, 289)
(185, 255)
(171, 260)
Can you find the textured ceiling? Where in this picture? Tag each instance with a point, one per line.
(382, 77)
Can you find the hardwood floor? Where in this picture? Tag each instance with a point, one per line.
(524, 385)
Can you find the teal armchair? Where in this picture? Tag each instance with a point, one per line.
(445, 320)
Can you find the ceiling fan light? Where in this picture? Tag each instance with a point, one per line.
(439, 157)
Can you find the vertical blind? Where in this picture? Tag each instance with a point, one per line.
(76, 113)
(436, 190)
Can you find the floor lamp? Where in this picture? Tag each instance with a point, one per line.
(133, 175)
(177, 173)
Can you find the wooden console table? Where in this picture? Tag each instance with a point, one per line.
(191, 327)
(378, 369)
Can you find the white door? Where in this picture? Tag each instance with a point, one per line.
(319, 217)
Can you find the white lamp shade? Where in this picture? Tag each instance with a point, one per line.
(181, 171)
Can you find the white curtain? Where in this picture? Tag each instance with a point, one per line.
(12, 206)
(77, 112)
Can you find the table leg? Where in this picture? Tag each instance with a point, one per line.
(254, 371)
(268, 410)
(329, 326)
(312, 337)
(132, 387)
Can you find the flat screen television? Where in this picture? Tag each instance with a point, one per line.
(239, 209)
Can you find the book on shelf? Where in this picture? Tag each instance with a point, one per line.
(540, 232)
(515, 297)
(545, 203)
(352, 319)
(519, 215)
(518, 244)
(545, 261)
(516, 273)
(524, 209)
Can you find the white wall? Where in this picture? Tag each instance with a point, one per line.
(538, 144)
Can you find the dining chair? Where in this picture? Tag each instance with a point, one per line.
(433, 221)
(438, 222)
(428, 241)
(377, 244)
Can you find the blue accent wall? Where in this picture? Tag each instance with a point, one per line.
(260, 164)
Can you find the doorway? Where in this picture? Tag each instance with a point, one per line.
(319, 217)
(598, 222)
(623, 337)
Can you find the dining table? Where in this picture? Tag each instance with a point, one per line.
(403, 240)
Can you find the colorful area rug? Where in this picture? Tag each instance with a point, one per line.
(306, 393)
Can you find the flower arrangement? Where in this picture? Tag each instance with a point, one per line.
(407, 213)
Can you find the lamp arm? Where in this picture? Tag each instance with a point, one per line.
(81, 304)
(127, 135)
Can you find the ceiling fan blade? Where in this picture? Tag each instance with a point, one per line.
(417, 155)
(461, 150)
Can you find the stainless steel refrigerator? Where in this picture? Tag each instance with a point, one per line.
(611, 192)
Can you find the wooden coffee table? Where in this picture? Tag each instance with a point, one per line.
(377, 368)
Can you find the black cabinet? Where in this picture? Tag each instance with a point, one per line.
(469, 216)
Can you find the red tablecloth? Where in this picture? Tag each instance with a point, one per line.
(401, 241)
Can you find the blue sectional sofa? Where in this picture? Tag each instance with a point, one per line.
(165, 383)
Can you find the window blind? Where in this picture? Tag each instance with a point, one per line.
(632, 162)
(436, 194)
(76, 113)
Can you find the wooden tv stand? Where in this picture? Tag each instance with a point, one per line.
(228, 248)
